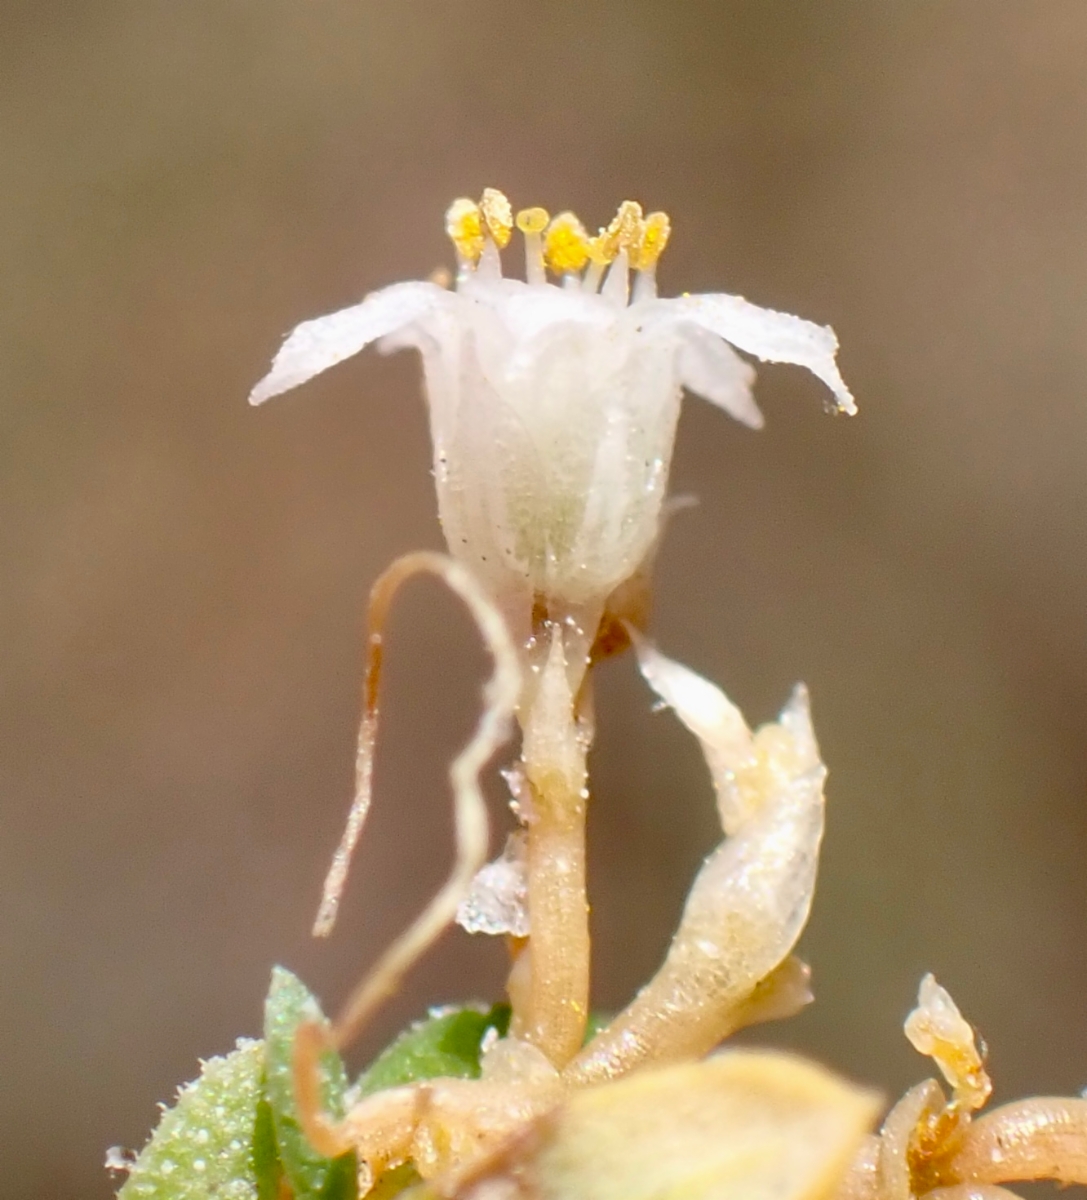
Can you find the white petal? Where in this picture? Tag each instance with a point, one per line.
(316, 345)
(711, 369)
(769, 335)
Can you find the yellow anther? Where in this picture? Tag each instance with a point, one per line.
(566, 244)
(464, 224)
(624, 232)
(497, 215)
(630, 225)
(601, 249)
(533, 220)
(656, 230)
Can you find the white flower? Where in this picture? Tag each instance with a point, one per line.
(553, 408)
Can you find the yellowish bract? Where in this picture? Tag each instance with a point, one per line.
(742, 1125)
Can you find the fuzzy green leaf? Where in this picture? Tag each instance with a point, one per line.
(203, 1146)
(310, 1175)
(446, 1044)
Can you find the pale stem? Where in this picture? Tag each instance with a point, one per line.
(311, 1040)
(1041, 1138)
(549, 990)
(861, 1180)
(920, 1105)
(650, 1031)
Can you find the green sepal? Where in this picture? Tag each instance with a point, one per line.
(203, 1146)
(445, 1044)
(311, 1176)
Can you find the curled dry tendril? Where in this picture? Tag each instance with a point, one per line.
(469, 809)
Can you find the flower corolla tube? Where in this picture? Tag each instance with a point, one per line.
(553, 406)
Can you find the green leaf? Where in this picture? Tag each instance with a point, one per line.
(596, 1022)
(310, 1175)
(203, 1146)
(393, 1182)
(342, 1180)
(447, 1044)
(266, 1165)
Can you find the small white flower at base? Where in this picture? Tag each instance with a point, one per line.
(553, 407)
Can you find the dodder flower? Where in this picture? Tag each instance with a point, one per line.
(553, 407)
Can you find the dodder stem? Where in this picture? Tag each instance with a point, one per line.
(1041, 1138)
(469, 809)
(549, 989)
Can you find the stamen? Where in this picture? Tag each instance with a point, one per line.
(498, 216)
(464, 224)
(625, 230)
(656, 230)
(561, 244)
(532, 222)
(624, 233)
(566, 244)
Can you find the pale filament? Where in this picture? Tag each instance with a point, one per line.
(532, 222)
(593, 275)
(616, 286)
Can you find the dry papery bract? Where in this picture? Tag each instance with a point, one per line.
(553, 408)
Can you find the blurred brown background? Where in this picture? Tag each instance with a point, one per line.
(183, 577)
